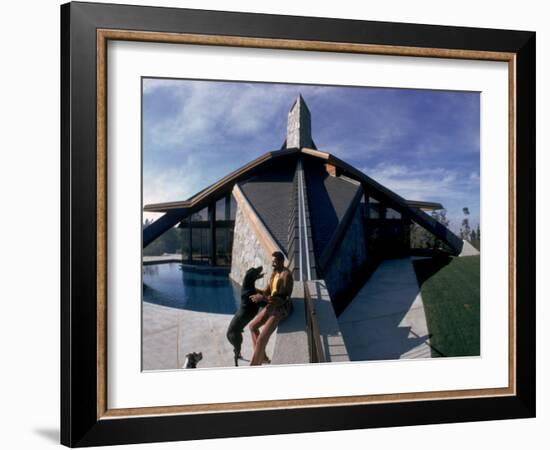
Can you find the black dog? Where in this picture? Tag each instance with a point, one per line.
(191, 360)
(247, 311)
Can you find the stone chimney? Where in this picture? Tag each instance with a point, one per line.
(298, 132)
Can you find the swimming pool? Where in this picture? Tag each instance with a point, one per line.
(181, 287)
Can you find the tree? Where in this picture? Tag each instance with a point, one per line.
(476, 238)
(422, 238)
(441, 217)
(465, 231)
(168, 242)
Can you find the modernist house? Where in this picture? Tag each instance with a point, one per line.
(329, 219)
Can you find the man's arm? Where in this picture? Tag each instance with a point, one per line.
(263, 292)
(267, 289)
(287, 284)
(275, 300)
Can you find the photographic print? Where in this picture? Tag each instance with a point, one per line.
(297, 224)
(296, 198)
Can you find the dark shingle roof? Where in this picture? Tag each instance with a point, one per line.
(329, 199)
(270, 192)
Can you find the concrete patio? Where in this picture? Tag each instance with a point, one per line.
(170, 333)
(162, 259)
(386, 320)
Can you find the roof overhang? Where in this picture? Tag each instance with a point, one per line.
(224, 185)
(424, 206)
(370, 186)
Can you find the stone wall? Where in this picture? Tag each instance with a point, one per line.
(247, 252)
(349, 259)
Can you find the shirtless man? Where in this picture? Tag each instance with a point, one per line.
(277, 295)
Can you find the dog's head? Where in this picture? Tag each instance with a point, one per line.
(195, 357)
(191, 360)
(251, 275)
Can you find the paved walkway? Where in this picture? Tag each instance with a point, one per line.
(170, 333)
(386, 319)
(164, 259)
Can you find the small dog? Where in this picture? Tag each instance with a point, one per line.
(247, 311)
(191, 360)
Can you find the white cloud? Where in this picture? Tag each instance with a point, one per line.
(172, 184)
(240, 110)
(188, 150)
(150, 85)
(453, 189)
(416, 184)
(213, 120)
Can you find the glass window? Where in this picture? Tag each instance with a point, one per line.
(374, 209)
(392, 214)
(199, 228)
(200, 216)
(185, 250)
(200, 243)
(220, 209)
(224, 231)
(224, 244)
(233, 210)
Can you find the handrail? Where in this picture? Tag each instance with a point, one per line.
(294, 231)
(303, 226)
(316, 352)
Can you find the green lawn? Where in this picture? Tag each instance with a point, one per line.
(450, 291)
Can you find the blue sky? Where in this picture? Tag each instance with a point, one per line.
(422, 144)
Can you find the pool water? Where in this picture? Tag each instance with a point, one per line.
(176, 286)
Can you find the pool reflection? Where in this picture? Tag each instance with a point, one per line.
(198, 290)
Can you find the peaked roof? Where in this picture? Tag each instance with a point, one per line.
(269, 192)
(177, 211)
(269, 180)
(332, 197)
